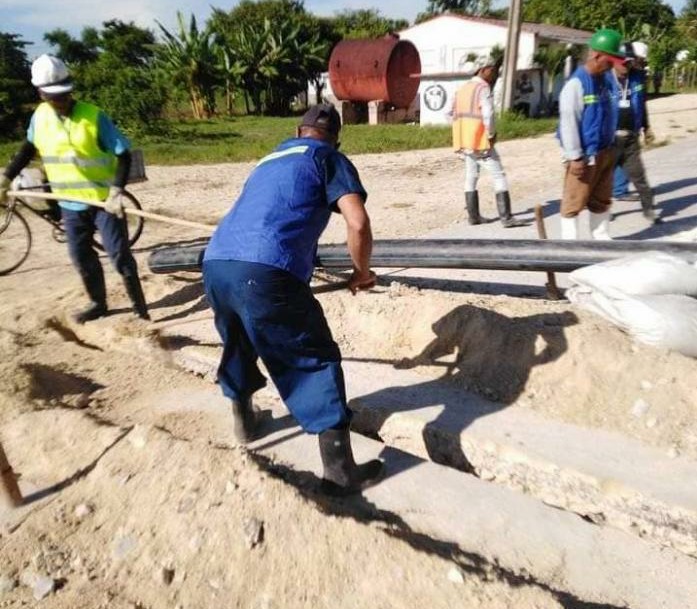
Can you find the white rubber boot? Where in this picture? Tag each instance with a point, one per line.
(599, 225)
(569, 228)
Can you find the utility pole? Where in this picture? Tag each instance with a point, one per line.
(510, 57)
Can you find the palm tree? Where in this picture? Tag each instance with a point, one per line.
(190, 58)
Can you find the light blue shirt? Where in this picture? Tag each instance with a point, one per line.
(109, 139)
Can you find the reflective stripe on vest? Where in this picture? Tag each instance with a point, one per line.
(74, 163)
(469, 132)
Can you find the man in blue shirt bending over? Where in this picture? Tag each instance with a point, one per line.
(256, 272)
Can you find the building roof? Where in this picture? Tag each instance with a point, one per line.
(548, 31)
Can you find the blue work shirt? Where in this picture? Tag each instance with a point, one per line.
(285, 205)
(109, 139)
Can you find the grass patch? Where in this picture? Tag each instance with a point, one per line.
(248, 138)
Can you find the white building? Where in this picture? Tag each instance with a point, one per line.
(445, 42)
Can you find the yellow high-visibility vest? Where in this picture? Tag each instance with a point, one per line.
(69, 149)
(469, 132)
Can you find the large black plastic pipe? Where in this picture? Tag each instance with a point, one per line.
(490, 254)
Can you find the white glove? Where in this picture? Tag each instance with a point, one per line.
(4, 187)
(114, 203)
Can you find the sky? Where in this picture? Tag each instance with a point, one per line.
(32, 18)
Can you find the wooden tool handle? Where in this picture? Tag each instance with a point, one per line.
(48, 196)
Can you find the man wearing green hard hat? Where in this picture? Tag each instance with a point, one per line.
(586, 133)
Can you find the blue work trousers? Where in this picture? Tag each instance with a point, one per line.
(79, 228)
(262, 311)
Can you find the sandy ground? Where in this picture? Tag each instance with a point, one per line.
(157, 511)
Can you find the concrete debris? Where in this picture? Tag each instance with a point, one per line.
(139, 436)
(640, 408)
(83, 510)
(7, 584)
(123, 546)
(41, 585)
(253, 530)
(455, 576)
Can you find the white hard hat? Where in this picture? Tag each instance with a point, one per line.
(641, 50)
(50, 75)
(472, 67)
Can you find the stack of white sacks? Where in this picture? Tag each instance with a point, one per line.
(652, 296)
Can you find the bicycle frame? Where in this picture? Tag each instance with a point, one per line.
(12, 209)
(43, 214)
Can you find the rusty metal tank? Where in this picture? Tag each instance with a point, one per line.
(375, 69)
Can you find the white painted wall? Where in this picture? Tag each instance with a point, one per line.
(444, 43)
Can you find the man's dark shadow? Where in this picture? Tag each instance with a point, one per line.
(490, 357)
(549, 208)
(666, 187)
(665, 210)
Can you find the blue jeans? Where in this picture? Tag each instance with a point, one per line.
(80, 227)
(262, 311)
(620, 182)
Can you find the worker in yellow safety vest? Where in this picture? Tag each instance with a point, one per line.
(85, 156)
(474, 136)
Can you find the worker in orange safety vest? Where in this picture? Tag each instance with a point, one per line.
(474, 137)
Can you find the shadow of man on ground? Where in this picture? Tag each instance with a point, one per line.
(489, 359)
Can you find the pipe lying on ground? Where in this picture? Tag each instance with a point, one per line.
(488, 254)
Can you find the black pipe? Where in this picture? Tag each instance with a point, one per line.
(561, 256)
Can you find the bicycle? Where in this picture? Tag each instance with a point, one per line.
(15, 233)
(16, 236)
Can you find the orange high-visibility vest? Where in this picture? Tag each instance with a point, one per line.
(469, 132)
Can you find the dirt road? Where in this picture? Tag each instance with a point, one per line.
(156, 508)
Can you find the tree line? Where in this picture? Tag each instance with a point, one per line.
(260, 54)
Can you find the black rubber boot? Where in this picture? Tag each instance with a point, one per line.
(472, 203)
(244, 426)
(96, 290)
(94, 311)
(135, 293)
(341, 474)
(503, 204)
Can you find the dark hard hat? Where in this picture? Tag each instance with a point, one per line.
(607, 41)
(324, 117)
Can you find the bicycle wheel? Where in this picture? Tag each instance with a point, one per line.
(135, 223)
(15, 239)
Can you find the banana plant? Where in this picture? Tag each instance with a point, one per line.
(190, 58)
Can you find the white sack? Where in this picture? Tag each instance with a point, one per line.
(640, 274)
(667, 321)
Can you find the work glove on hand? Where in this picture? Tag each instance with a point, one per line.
(649, 137)
(4, 187)
(114, 203)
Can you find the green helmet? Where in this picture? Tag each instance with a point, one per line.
(607, 41)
